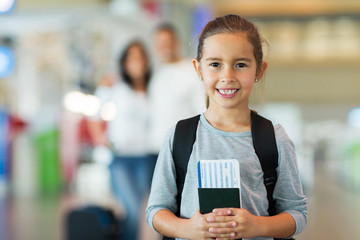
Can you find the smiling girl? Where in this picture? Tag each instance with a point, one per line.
(229, 62)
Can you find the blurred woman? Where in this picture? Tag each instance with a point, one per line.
(125, 106)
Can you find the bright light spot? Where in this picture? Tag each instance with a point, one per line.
(73, 101)
(354, 117)
(6, 5)
(78, 102)
(108, 111)
(91, 105)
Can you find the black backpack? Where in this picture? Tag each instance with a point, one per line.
(264, 142)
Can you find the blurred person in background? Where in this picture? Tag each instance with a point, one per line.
(126, 101)
(175, 92)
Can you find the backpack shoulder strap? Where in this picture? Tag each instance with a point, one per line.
(184, 138)
(264, 141)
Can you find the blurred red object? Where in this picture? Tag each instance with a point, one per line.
(16, 125)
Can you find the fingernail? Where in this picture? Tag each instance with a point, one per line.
(234, 224)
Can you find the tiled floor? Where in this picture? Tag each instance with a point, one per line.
(334, 213)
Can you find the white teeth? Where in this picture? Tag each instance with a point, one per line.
(227, 92)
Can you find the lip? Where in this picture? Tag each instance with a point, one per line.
(227, 89)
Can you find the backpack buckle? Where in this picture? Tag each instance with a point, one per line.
(270, 177)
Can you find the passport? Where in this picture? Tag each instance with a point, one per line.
(219, 184)
(211, 198)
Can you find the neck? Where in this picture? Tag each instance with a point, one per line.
(139, 86)
(229, 120)
(173, 60)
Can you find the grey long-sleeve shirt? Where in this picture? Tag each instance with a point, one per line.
(212, 144)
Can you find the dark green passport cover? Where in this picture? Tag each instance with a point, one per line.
(210, 198)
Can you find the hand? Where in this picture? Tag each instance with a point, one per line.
(202, 226)
(239, 223)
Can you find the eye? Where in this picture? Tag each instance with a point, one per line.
(241, 65)
(215, 64)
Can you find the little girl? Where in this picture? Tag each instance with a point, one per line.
(229, 62)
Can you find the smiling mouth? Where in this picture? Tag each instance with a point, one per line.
(227, 92)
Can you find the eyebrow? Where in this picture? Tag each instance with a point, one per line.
(219, 59)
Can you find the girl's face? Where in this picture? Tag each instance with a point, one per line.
(228, 69)
(135, 63)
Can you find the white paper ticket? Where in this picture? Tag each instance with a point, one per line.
(223, 173)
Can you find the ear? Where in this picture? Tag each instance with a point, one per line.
(196, 65)
(261, 71)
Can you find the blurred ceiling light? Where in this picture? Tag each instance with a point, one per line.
(318, 40)
(6, 6)
(108, 111)
(124, 7)
(354, 117)
(73, 101)
(91, 105)
(346, 37)
(81, 103)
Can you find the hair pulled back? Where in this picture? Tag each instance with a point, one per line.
(123, 57)
(233, 24)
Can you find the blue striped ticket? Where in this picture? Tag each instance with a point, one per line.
(223, 173)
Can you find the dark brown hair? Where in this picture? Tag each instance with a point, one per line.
(121, 63)
(233, 24)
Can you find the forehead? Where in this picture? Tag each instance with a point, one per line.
(165, 34)
(135, 49)
(228, 44)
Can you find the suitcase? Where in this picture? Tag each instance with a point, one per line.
(92, 223)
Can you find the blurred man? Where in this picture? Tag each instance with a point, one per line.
(175, 91)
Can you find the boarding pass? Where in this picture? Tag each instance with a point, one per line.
(224, 173)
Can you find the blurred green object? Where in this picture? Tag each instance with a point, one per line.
(48, 157)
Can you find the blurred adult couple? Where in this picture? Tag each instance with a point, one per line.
(146, 102)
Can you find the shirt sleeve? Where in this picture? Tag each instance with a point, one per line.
(163, 188)
(288, 191)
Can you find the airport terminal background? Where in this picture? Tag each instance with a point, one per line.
(53, 53)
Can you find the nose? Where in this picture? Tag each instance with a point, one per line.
(228, 75)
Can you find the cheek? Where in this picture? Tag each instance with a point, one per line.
(208, 87)
(208, 76)
(136, 67)
(209, 81)
(247, 83)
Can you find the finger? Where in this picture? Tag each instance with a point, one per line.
(229, 224)
(231, 235)
(222, 232)
(213, 219)
(224, 235)
(222, 211)
(218, 236)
